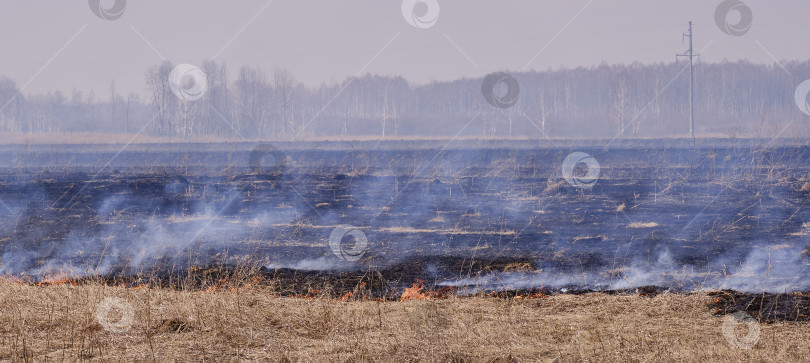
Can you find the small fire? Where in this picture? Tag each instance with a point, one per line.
(142, 286)
(312, 294)
(359, 293)
(133, 285)
(347, 296)
(219, 285)
(418, 292)
(531, 296)
(414, 292)
(60, 278)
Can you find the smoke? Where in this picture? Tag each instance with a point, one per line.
(324, 263)
(127, 232)
(778, 268)
(765, 269)
(660, 217)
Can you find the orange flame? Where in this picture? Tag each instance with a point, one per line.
(418, 292)
(359, 293)
(531, 296)
(346, 297)
(415, 292)
(219, 285)
(60, 278)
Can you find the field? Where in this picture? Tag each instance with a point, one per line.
(60, 323)
(500, 250)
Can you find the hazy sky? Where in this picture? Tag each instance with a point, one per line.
(58, 45)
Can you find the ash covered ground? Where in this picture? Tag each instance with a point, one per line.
(471, 216)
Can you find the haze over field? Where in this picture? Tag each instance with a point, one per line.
(326, 41)
(292, 70)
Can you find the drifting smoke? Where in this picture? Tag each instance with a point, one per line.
(129, 233)
(676, 218)
(763, 270)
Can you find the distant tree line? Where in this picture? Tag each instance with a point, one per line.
(605, 101)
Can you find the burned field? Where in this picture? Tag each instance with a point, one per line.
(373, 219)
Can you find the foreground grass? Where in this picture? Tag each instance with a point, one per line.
(60, 323)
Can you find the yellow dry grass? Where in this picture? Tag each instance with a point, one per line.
(642, 225)
(60, 323)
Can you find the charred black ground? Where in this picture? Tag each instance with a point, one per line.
(390, 284)
(469, 218)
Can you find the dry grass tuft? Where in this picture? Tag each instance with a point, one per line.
(173, 325)
(642, 225)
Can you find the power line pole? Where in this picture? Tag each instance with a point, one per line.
(691, 54)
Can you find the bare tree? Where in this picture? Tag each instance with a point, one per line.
(157, 78)
(10, 106)
(283, 83)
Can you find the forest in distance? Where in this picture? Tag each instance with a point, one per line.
(732, 99)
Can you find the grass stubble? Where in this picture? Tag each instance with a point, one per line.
(254, 323)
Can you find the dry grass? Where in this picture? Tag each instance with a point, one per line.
(642, 225)
(59, 323)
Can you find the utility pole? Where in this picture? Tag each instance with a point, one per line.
(691, 54)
